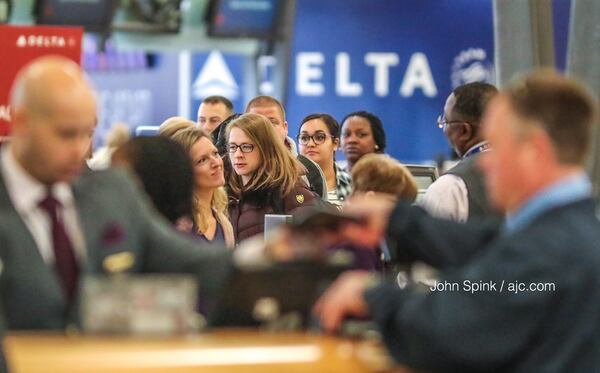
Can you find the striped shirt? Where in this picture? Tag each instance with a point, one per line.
(343, 182)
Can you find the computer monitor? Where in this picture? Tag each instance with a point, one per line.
(151, 16)
(146, 130)
(424, 177)
(252, 19)
(93, 15)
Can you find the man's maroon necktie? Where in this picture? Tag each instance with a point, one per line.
(64, 255)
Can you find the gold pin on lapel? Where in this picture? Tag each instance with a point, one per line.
(119, 262)
(300, 198)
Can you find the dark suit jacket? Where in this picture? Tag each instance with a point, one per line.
(115, 218)
(551, 330)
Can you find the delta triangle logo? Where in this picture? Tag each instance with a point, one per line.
(215, 78)
(21, 41)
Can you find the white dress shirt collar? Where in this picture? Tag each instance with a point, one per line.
(25, 191)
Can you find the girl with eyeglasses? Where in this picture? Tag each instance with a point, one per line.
(265, 178)
(209, 216)
(319, 140)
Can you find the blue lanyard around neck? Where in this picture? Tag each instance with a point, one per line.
(477, 149)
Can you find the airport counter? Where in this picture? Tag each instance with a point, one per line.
(244, 351)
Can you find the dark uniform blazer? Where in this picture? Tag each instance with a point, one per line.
(507, 327)
(122, 234)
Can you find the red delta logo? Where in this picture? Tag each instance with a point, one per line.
(44, 41)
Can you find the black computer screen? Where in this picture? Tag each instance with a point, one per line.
(245, 18)
(93, 15)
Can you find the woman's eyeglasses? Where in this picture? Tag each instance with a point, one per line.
(244, 148)
(318, 138)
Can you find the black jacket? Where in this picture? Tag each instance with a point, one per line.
(552, 328)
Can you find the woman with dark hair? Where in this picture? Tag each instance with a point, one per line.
(221, 140)
(164, 171)
(362, 133)
(319, 138)
(265, 178)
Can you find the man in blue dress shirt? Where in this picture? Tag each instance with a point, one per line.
(522, 297)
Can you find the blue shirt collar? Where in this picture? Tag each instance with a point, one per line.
(562, 192)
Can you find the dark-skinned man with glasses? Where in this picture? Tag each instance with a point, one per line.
(459, 194)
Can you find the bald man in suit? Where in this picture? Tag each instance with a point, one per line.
(57, 224)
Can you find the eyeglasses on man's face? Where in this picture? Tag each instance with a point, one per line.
(443, 123)
(244, 148)
(318, 138)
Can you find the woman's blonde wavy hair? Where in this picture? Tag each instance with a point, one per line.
(187, 137)
(172, 125)
(278, 168)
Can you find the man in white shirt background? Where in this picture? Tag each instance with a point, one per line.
(459, 194)
(212, 112)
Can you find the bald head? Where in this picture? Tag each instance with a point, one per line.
(54, 118)
(47, 80)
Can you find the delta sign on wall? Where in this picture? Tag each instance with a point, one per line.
(20, 45)
(214, 73)
(132, 86)
(136, 96)
(397, 59)
(142, 89)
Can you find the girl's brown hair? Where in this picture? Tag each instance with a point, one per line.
(278, 168)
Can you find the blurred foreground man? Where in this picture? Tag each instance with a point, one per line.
(56, 226)
(524, 297)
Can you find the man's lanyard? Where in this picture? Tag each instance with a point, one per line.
(477, 149)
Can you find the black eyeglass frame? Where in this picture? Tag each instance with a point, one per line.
(309, 137)
(232, 148)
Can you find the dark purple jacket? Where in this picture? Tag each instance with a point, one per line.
(247, 213)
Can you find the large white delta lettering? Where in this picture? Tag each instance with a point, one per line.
(418, 75)
(5, 112)
(381, 62)
(343, 84)
(307, 70)
(309, 74)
